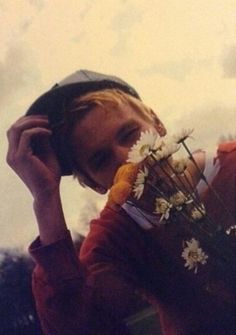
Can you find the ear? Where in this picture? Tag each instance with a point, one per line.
(158, 124)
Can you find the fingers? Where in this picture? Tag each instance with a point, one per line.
(24, 151)
(21, 132)
(25, 143)
(31, 156)
(22, 124)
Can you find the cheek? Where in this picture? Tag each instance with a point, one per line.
(106, 177)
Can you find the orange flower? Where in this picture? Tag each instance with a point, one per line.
(126, 172)
(123, 183)
(119, 193)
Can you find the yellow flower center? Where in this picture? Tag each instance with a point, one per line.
(144, 149)
(193, 255)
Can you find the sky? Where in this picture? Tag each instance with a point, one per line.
(179, 55)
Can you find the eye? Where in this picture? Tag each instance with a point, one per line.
(130, 136)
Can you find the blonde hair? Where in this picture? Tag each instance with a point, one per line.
(104, 98)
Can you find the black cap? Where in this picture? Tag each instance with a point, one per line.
(55, 101)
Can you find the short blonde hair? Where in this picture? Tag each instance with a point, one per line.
(104, 98)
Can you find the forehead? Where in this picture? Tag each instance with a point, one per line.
(100, 126)
(102, 119)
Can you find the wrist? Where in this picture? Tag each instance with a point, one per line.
(46, 199)
(46, 194)
(50, 218)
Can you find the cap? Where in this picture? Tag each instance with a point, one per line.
(55, 101)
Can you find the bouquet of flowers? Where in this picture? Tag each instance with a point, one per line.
(161, 188)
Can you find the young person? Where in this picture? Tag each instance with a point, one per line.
(85, 126)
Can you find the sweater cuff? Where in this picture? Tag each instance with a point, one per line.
(58, 260)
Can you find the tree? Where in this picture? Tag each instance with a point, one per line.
(17, 309)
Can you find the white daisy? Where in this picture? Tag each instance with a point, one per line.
(163, 207)
(198, 213)
(143, 147)
(140, 183)
(193, 255)
(159, 154)
(231, 230)
(166, 149)
(170, 148)
(183, 135)
(159, 142)
(178, 199)
(180, 165)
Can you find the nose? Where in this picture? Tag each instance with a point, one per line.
(119, 157)
(121, 154)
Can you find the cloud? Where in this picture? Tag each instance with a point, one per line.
(177, 70)
(89, 210)
(18, 76)
(16, 72)
(229, 62)
(122, 24)
(38, 4)
(80, 204)
(211, 123)
(126, 18)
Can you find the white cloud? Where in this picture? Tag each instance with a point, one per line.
(16, 72)
(229, 62)
(39, 4)
(210, 122)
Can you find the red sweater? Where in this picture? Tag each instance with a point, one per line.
(93, 292)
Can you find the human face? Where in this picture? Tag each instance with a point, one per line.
(102, 139)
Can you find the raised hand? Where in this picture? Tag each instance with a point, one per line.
(39, 171)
